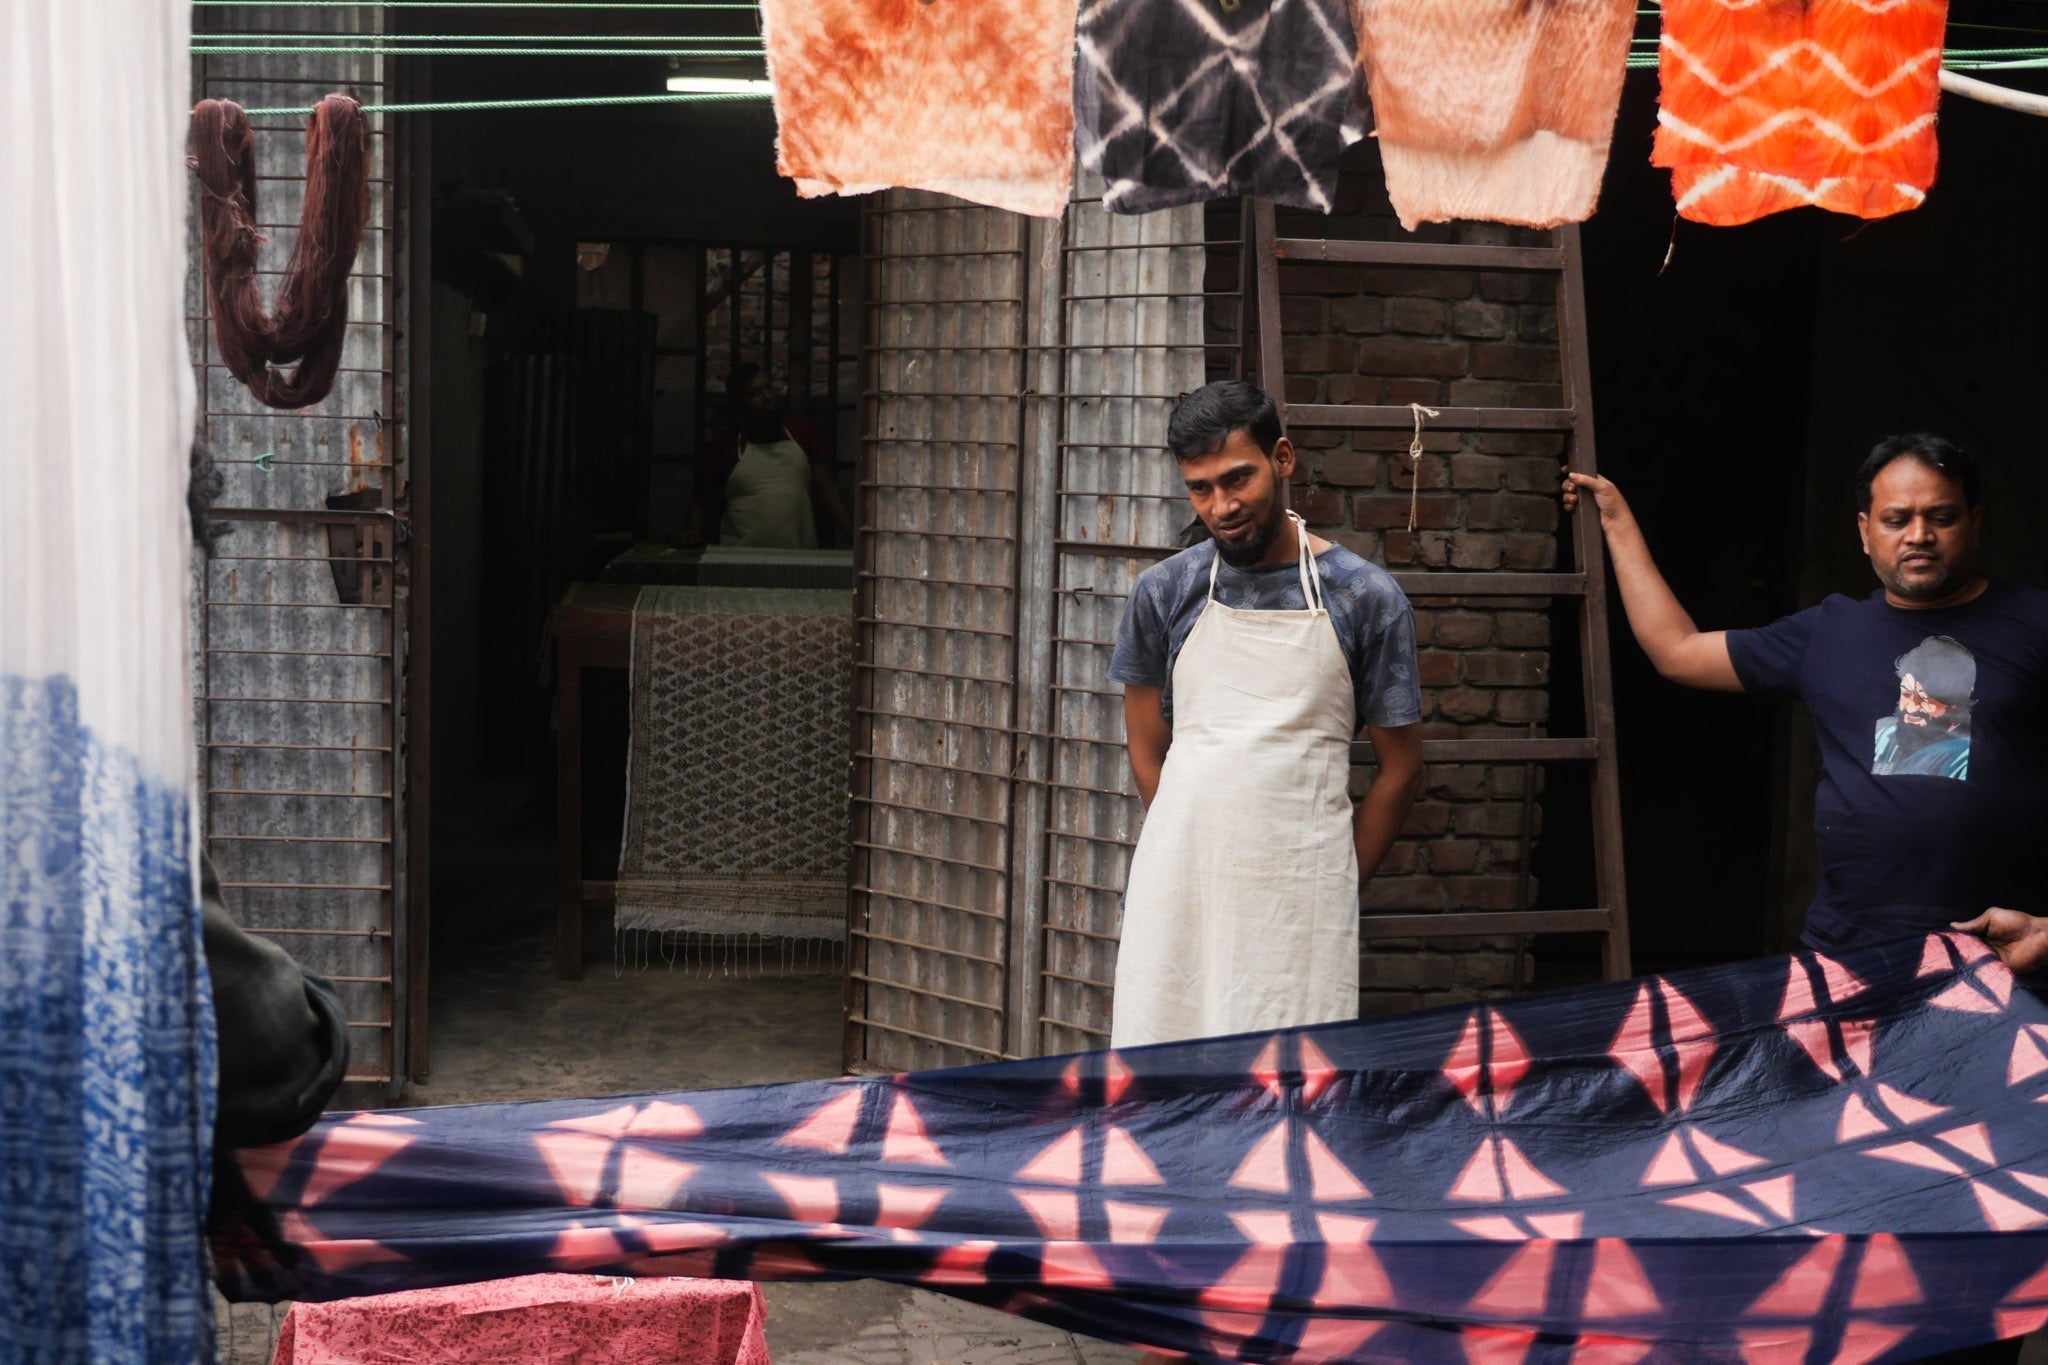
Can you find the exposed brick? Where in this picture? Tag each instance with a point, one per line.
(1318, 355)
(1351, 469)
(1427, 818)
(1472, 470)
(1509, 288)
(1507, 668)
(1418, 317)
(1398, 970)
(1401, 548)
(1512, 512)
(1528, 550)
(1436, 667)
(1479, 970)
(1428, 392)
(1358, 314)
(1513, 360)
(1372, 1003)
(1532, 474)
(1380, 511)
(1539, 396)
(1392, 282)
(1464, 704)
(1425, 626)
(1351, 388)
(1431, 471)
(1529, 707)
(1544, 443)
(1406, 356)
(1538, 322)
(1496, 819)
(1302, 388)
(1364, 544)
(1478, 318)
(1454, 855)
(1400, 860)
(1403, 893)
(1313, 439)
(1481, 393)
(1458, 781)
(1320, 506)
(1300, 316)
(1482, 893)
(1522, 629)
(1476, 551)
(1463, 629)
(1297, 277)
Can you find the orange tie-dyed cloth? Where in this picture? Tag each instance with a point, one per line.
(1774, 104)
(972, 98)
(1493, 109)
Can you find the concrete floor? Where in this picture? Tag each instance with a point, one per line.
(504, 1028)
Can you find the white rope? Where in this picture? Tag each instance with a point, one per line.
(1415, 461)
(2019, 101)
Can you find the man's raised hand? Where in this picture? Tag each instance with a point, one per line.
(2019, 939)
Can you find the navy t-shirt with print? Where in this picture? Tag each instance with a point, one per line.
(1933, 726)
(1374, 624)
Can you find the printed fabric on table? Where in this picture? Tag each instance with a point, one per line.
(1494, 109)
(1799, 1159)
(1179, 101)
(972, 98)
(1769, 107)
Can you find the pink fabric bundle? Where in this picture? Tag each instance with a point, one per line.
(535, 1318)
(972, 98)
(1494, 109)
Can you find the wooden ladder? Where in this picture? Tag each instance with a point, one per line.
(1586, 582)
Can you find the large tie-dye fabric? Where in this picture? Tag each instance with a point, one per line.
(1179, 101)
(1494, 109)
(1828, 103)
(1798, 1159)
(972, 98)
(106, 1031)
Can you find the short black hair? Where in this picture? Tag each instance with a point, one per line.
(1203, 421)
(737, 380)
(1938, 453)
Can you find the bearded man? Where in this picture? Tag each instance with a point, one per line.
(1939, 827)
(1250, 662)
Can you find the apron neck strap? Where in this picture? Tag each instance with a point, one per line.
(1304, 565)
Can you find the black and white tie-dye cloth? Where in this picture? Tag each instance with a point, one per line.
(1178, 101)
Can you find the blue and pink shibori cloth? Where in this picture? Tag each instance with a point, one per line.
(1798, 1159)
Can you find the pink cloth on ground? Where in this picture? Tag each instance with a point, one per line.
(536, 1318)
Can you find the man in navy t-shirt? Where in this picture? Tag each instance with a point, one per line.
(1930, 697)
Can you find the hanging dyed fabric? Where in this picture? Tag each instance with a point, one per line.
(106, 1037)
(1179, 101)
(1828, 103)
(1791, 1159)
(1494, 109)
(310, 325)
(972, 98)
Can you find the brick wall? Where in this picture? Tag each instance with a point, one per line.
(1486, 501)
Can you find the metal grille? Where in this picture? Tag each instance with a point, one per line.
(302, 609)
(1132, 299)
(936, 594)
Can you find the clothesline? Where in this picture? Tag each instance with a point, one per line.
(569, 102)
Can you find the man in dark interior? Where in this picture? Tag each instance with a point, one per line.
(763, 480)
(1940, 826)
(1249, 662)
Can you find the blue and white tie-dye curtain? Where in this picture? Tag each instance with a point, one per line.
(106, 1039)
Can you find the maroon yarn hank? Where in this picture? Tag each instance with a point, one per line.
(310, 325)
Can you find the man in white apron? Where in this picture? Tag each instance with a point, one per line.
(1249, 663)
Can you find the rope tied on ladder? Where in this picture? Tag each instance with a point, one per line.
(310, 323)
(1415, 461)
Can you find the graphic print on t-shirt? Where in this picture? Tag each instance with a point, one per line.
(1929, 732)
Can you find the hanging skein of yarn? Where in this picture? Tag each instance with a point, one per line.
(310, 323)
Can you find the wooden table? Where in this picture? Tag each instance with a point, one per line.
(592, 627)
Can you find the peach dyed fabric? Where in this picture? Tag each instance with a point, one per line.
(972, 98)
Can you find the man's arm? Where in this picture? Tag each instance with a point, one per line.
(2019, 939)
(1147, 735)
(1398, 752)
(1681, 651)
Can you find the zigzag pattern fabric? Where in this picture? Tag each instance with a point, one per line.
(1494, 109)
(1180, 101)
(1802, 1159)
(972, 98)
(1777, 104)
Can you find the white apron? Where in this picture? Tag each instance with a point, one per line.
(1241, 911)
(768, 498)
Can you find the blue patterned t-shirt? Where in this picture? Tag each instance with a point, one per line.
(1375, 626)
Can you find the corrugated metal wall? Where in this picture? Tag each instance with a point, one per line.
(1017, 378)
(303, 604)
